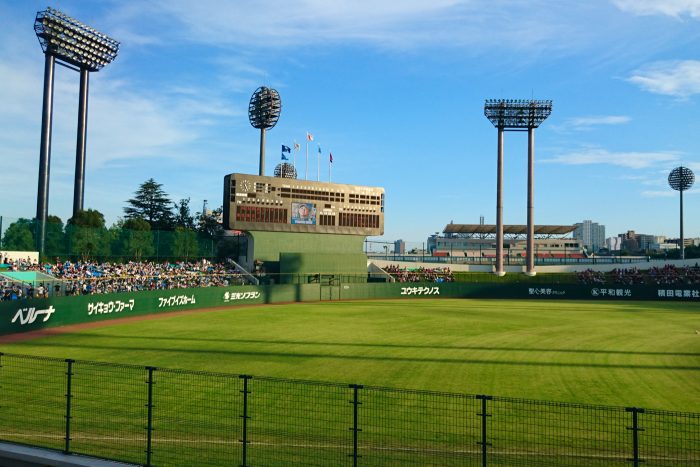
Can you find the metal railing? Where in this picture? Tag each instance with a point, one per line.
(160, 417)
(508, 260)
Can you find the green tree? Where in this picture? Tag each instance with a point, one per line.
(151, 204)
(210, 223)
(136, 239)
(185, 244)
(19, 236)
(87, 236)
(55, 237)
(183, 216)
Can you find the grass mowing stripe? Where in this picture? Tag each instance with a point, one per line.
(637, 353)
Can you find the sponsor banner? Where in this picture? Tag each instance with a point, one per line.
(28, 315)
(420, 290)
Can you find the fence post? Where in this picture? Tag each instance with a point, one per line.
(355, 429)
(69, 396)
(635, 434)
(149, 426)
(245, 418)
(484, 438)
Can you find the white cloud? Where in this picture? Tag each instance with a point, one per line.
(535, 25)
(585, 123)
(631, 160)
(668, 193)
(674, 8)
(679, 78)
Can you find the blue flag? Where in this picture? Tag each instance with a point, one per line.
(286, 149)
(284, 158)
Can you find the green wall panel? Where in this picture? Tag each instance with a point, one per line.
(29, 315)
(269, 245)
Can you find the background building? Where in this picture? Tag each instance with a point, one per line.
(590, 234)
(613, 243)
(399, 247)
(633, 242)
(478, 241)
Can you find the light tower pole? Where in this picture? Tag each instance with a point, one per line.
(263, 112)
(516, 115)
(81, 48)
(681, 179)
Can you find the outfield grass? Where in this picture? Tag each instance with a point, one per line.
(644, 354)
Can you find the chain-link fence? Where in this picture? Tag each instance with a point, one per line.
(160, 417)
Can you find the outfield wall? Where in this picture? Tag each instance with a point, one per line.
(30, 315)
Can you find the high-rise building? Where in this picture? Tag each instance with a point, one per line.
(591, 234)
(399, 247)
(633, 242)
(613, 243)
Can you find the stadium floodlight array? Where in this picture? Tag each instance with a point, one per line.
(285, 170)
(81, 48)
(681, 179)
(517, 113)
(73, 42)
(263, 112)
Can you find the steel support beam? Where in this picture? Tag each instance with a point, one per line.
(682, 240)
(499, 206)
(79, 186)
(530, 254)
(42, 199)
(262, 152)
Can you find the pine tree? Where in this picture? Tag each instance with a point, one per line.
(151, 204)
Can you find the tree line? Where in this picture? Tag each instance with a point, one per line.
(153, 227)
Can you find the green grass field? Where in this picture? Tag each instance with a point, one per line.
(644, 354)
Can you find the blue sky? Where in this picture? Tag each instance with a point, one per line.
(394, 89)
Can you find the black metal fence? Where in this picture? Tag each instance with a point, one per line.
(160, 417)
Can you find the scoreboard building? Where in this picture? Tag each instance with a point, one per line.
(289, 205)
(297, 226)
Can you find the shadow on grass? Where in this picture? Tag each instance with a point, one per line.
(268, 354)
(371, 345)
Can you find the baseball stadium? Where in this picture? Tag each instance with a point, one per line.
(303, 350)
(283, 342)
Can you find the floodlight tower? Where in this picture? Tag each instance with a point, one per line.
(264, 111)
(516, 115)
(80, 48)
(681, 179)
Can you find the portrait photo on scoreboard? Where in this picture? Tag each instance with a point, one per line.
(304, 213)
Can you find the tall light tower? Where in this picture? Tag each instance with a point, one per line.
(516, 115)
(681, 179)
(263, 112)
(83, 49)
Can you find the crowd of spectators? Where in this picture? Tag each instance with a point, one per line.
(670, 275)
(18, 265)
(665, 275)
(591, 277)
(420, 274)
(88, 277)
(627, 276)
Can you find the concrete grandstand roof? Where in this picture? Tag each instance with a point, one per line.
(508, 229)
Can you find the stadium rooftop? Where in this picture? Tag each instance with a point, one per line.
(516, 229)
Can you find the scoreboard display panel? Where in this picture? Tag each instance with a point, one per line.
(253, 202)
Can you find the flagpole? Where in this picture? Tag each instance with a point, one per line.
(330, 171)
(318, 163)
(294, 160)
(306, 175)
